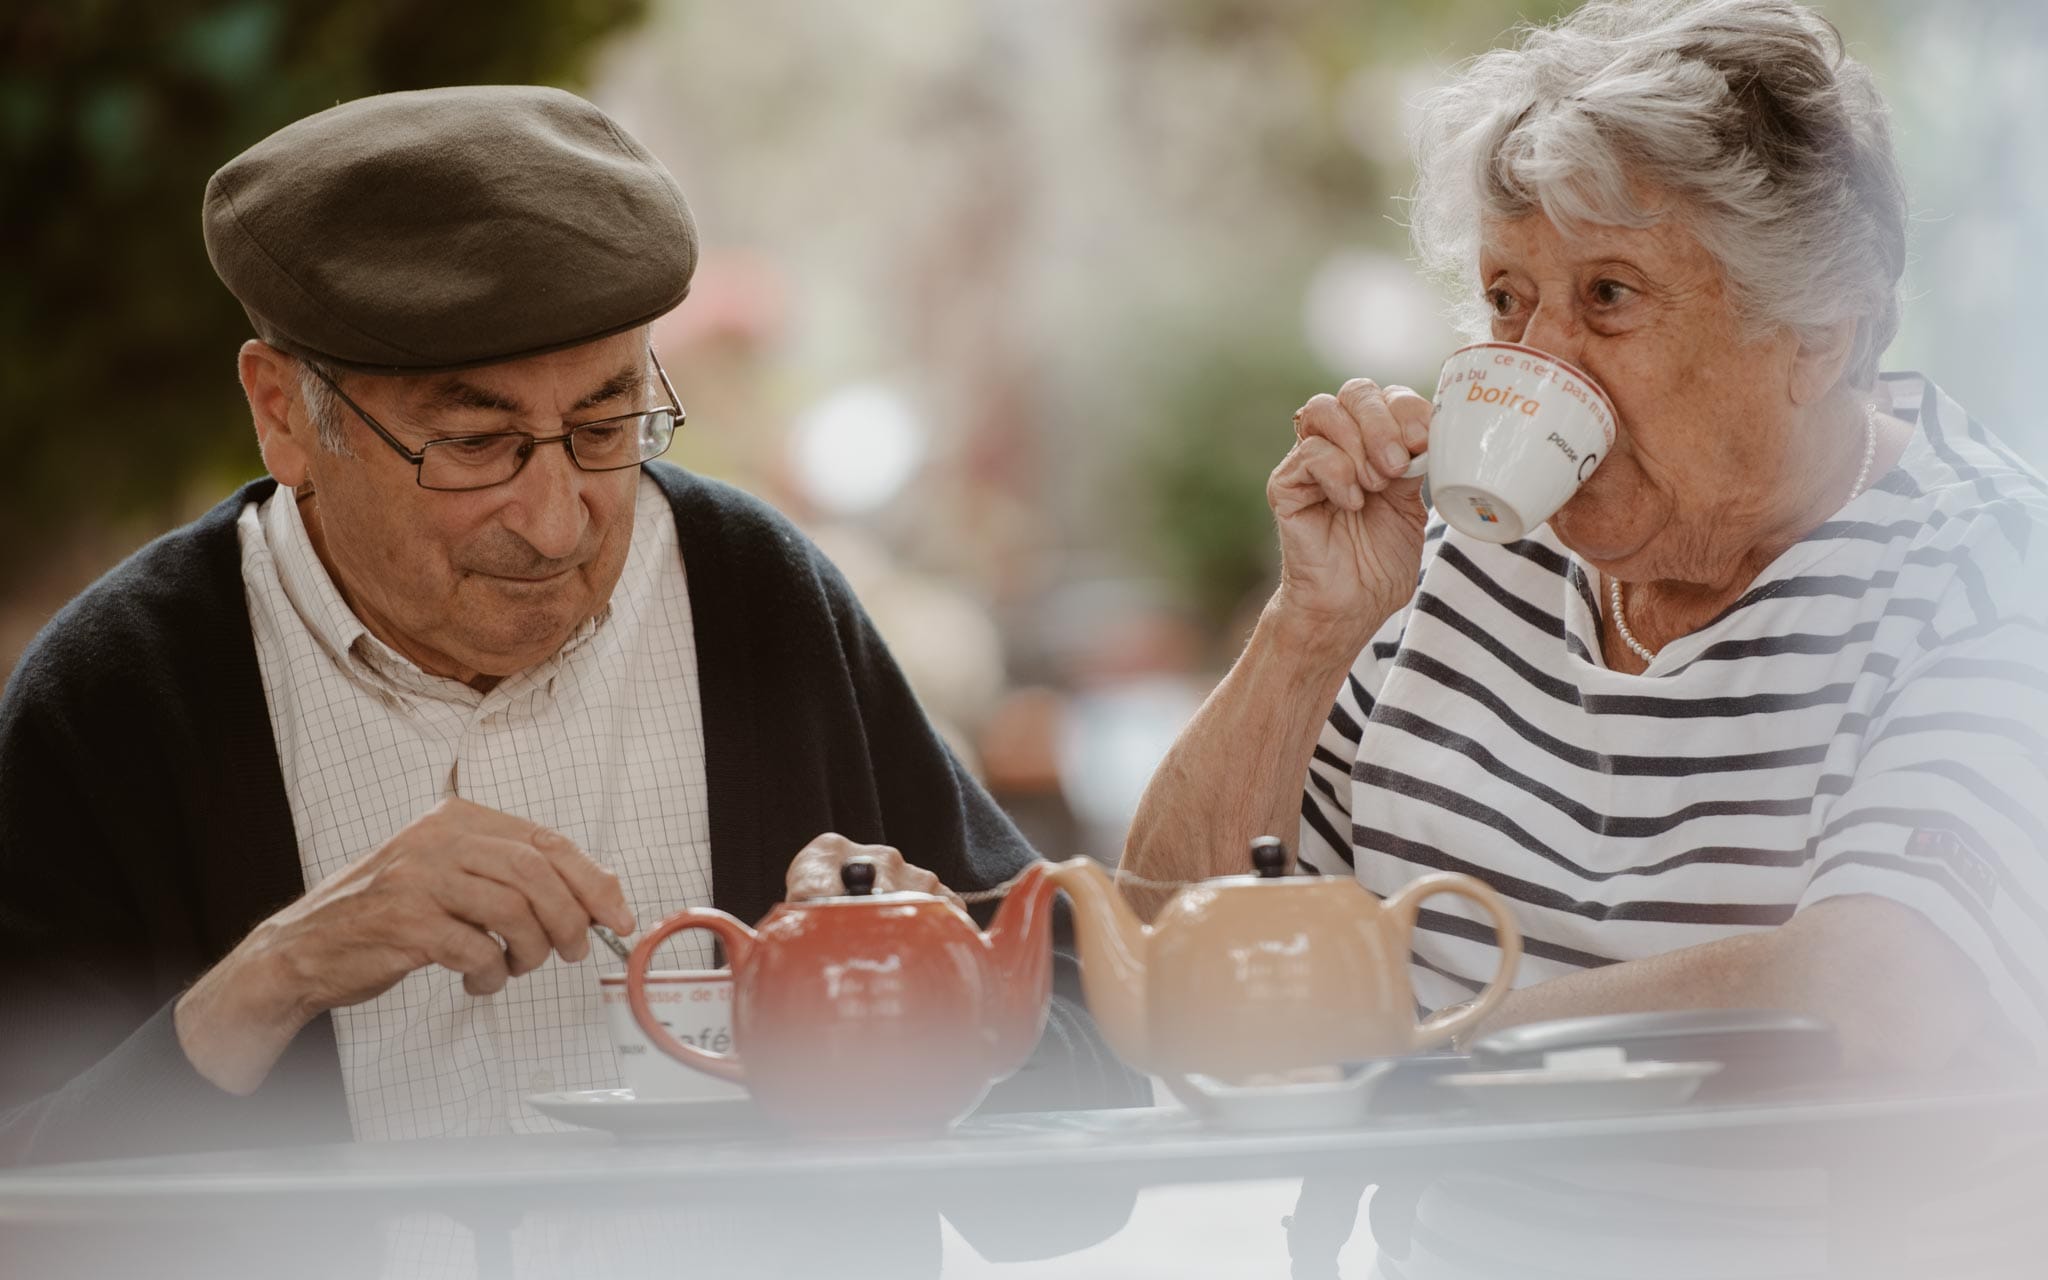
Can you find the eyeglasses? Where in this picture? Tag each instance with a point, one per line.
(460, 463)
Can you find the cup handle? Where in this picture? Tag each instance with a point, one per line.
(738, 940)
(1403, 906)
(1418, 466)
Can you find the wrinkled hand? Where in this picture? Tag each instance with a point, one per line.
(814, 873)
(1350, 527)
(436, 893)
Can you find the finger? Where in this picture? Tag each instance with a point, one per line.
(468, 815)
(919, 880)
(892, 873)
(503, 911)
(816, 877)
(1413, 413)
(1334, 473)
(525, 869)
(1293, 488)
(814, 872)
(1325, 416)
(596, 889)
(1381, 434)
(469, 951)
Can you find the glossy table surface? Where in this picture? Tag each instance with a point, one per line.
(1147, 1147)
(1821, 1186)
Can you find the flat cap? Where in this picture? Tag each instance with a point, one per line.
(447, 228)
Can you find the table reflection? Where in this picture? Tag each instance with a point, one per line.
(1875, 1187)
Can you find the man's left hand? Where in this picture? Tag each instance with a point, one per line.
(815, 872)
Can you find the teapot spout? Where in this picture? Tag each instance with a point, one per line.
(1113, 943)
(1020, 959)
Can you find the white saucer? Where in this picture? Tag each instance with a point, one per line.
(1319, 1105)
(1582, 1089)
(618, 1111)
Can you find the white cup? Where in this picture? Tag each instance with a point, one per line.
(1513, 434)
(696, 1007)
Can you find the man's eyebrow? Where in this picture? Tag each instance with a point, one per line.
(624, 382)
(455, 393)
(459, 393)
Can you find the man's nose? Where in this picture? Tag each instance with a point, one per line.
(547, 502)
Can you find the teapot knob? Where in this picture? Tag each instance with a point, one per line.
(1269, 857)
(858, 875)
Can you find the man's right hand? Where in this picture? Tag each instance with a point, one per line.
(1350, 527)
(434, 894)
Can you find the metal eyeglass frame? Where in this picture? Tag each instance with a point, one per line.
(533, 442)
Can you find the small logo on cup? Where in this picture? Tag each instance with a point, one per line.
(1485, 511)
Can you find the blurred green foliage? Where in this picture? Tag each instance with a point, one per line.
(1218, 382)
(117, 343)
(1221, 429)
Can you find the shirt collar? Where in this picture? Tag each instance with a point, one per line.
(363, 656)
(312, 593)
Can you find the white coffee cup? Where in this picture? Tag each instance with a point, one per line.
(1513, 434)
(696, 1006)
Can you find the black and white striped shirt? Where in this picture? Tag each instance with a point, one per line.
(1871, 717)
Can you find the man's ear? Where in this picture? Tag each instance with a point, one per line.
(270, 379)
(1819, 361)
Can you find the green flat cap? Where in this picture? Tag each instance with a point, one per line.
(448, 228)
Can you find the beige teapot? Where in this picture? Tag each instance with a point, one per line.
(1249, 975)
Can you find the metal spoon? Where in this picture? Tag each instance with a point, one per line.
(610, 939)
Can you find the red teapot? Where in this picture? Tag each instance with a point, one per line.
(871, 1014)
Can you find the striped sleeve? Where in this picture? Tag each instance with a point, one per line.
(1947, 812)
(1325, 840)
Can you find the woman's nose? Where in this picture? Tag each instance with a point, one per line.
(1554, 329)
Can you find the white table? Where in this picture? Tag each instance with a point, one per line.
(1053, 1184)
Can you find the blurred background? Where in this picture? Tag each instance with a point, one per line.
(1008, 302)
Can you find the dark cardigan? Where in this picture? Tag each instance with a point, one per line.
(145, 829)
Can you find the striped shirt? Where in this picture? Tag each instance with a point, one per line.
(1870, 717)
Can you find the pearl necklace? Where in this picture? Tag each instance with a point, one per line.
(1648, 654)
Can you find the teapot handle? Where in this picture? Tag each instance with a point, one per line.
(1403, 906)
(738, 940)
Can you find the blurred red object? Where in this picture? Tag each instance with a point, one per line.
(737, 298)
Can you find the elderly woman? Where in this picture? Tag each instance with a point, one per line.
(1758, 718)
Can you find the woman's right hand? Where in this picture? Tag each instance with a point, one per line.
(1350, 527)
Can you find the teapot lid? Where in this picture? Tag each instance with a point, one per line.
(858, 877)
(1269, 857)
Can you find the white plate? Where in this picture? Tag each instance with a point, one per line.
(1580, 1090)
(618, 1111)
(1332, 1105)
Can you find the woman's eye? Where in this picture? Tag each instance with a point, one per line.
(1500, 301)
(1610, 293)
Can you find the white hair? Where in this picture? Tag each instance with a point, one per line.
(1747, 119)
(323, 409)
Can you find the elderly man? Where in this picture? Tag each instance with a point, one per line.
(306, 811)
